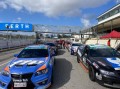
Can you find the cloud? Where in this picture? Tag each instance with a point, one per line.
(54, 8)
(17, 20)
(3, 5)
(86, 23)
(117, 1)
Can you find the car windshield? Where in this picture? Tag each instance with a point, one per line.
(33, 53)
(104, 52)
(76, 44)
(50, 44)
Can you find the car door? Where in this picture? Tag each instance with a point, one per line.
(85, 56)
(80, 50)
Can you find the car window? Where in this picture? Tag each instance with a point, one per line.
(33, 53)
(104, 52)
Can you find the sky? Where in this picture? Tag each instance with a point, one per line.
(81, 13)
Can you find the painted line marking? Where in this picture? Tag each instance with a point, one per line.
(4, 63)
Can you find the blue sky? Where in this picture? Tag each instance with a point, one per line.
(54, 12)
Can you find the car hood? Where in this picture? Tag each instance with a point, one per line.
(25, 65)
(108, 62)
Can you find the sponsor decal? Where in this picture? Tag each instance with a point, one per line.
(27, 62)
(101, 63)
(115, 62)
(95, 65)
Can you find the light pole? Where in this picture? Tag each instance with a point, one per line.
(7, 27)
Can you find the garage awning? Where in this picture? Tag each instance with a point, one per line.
(113, 34)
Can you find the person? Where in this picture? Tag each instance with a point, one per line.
(63, 44)
(68, 46)
(108, 43)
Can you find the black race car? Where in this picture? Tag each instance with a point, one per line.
(102, 62)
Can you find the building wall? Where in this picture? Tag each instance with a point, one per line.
(110, 14)
(110, 18)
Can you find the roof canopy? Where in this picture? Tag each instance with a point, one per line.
(113, 34)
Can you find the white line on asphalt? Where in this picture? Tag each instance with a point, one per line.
(4, 63)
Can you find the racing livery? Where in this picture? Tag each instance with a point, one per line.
(102, 62)
(31, 69)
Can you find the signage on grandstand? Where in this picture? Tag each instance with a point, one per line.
(16, 27)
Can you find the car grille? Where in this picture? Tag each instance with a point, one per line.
(30, 85)
(23, 76)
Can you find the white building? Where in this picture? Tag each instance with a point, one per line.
(109, 20)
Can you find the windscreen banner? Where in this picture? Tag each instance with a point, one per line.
(16, 27)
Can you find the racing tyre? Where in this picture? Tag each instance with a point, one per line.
(78, 60)
(92, 73)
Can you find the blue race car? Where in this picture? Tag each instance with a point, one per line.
(32, 68)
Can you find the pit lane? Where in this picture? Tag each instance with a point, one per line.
(68, 74)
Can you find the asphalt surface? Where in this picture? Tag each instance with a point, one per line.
(5, 57)
(68, 74)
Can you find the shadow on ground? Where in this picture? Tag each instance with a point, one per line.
(60, 52)
(61, 73)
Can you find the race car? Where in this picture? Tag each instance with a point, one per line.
(32, 68)
(53, 46)
(74, 47)
(102, 63)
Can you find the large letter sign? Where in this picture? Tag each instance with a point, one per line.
(16, 27)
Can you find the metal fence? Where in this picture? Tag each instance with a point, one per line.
(13, 40)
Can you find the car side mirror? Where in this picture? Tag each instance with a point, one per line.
(15, 55)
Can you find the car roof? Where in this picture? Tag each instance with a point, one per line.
(37, 47)
(98, 46)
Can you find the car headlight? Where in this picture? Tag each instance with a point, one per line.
(40, 72)
(5, 73)
(107, 72)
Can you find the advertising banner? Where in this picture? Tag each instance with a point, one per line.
(16, 27)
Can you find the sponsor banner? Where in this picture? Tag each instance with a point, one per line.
(16, 27)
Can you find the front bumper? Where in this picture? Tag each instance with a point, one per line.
(73, 51)
(110, 81)
(43, 87)
(39, 82)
